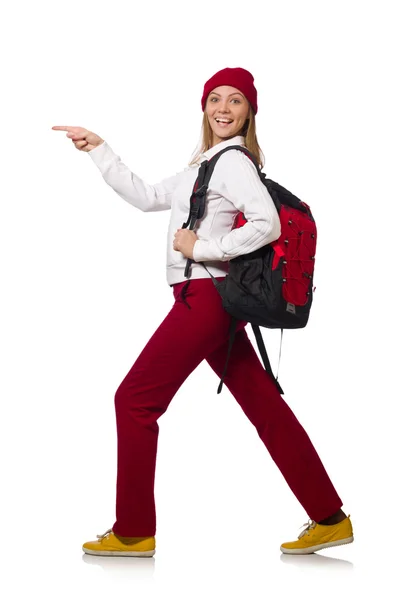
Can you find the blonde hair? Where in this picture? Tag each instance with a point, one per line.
(248, 131)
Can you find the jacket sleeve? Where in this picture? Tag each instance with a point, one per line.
(240, 184)
(130, 187)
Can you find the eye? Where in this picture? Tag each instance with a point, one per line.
(213, 98)
(236, 100)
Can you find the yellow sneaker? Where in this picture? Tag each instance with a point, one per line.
(316, 537)
(108, 544)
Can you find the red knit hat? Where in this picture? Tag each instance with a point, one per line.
(238, 78)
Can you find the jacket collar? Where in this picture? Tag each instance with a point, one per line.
(237, 140)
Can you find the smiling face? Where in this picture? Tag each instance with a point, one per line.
(227, 111)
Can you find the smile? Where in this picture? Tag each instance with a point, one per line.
(224, 122)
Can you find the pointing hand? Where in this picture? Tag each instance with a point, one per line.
(82, 138)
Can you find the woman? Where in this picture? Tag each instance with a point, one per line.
(229, 103)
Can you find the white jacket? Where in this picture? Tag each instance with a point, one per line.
(234, 186)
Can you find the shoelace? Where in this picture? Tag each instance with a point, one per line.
(100, 537)
(309, 525)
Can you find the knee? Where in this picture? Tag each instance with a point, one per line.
(126, 402)
(130, 403)
(121, 396)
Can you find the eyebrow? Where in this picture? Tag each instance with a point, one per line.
(228, 95)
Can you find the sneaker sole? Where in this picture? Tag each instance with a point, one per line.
(312, 549)
(119, 553)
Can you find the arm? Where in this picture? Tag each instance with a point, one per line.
(130, 187)
(240, 184)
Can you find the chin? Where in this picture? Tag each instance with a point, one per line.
(223, 135)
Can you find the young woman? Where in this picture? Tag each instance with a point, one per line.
(229, 104)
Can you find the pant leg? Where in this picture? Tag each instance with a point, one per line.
(190, 332)
(283, 435)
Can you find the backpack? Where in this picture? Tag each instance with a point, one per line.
(273, 286)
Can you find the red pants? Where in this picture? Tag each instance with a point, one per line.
(196, 328)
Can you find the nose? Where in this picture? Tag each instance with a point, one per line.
(223, 106)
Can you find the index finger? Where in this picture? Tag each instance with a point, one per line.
(65, 128)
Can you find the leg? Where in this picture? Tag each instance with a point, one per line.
(181, 342)
(277, 426)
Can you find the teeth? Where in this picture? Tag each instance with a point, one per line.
(222, 121)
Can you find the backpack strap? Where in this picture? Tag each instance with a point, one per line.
(265, 358)
(197, 199)
(212, 161)
(197, 205)
(232, 333)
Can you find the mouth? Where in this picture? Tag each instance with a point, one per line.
(224, 122)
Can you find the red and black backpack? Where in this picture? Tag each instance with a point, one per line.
(272, 286)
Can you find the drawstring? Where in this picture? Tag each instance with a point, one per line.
(183, 292)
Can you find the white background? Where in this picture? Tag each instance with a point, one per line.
(83, 288)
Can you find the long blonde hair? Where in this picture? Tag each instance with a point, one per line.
(248, 132)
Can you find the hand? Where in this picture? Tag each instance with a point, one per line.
(83, 139)
(184, 242)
